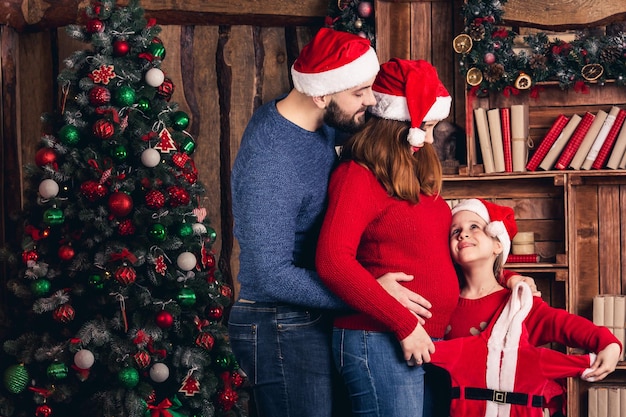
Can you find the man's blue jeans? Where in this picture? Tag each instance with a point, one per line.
(286, 353)
(379, 381)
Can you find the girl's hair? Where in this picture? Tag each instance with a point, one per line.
(382, 147)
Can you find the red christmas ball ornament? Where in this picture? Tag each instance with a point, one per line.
(365, 9)
(226, 291)
(155, 199)
(126, 228)
(227, 398)
(99, 96)
(103, 129)
(93, 190)
(125, 275)
(95, 26)
(215, 313)
(489, 58)
(29, 255)
(166, 89)
(66, 253)
(121, 47)
(142, 359)
(43, 410)
(64, 313)
(164, 319)
(178, 196)
(120, 204)
(205, 340)
(45, 156)
(237, 379)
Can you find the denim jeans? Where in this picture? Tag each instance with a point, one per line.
(286, 352)
(379, 381)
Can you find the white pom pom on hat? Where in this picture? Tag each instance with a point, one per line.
(333, 61)
(410, 91)
(500, 220)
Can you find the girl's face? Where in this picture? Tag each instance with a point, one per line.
(428, 127)
(468, 240)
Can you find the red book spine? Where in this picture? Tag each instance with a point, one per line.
(548, 140)
(574, 142)
(523, 259)
(505, 121)
(608, 143)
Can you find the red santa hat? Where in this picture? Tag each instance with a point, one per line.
(410, 91)
(500, 220)
(333, 61)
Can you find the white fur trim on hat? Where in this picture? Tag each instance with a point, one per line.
(416, 136)
(390, 107)
(498, 230)
(339, 79)
(440, 110)
(473, 205)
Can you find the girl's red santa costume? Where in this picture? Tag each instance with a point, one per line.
(498, 373)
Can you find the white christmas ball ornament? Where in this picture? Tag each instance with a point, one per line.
(159, 372)
(198, 229)
(150, 157)
(84, 359)
(154, 77)
(48, 188)
(186, 261)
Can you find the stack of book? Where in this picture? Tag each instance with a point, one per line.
(583, 142)
(607, 401)
(503, 138)
(609, 310)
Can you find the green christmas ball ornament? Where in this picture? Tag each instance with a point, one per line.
(57, 371)
(143, 104)
(186, 297)
(211, 234)
(157, 232)
(120, 153)
(53, 216)
(69, 135)
(96, 281)
(180, 120)
(125, 96)
(16, 378)
(225, 361)
(188, 145)
(185, 230)
(128, 377)
(40, 287)
(157, 50)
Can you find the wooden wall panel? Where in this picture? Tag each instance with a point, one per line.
(609, 237)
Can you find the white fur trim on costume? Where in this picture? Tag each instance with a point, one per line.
(390, 107)
(416, 136)
(503, 346)
(592, 359)
(339, 79)
(440, 110)
(498, 230)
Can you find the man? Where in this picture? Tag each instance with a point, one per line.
(280, 328)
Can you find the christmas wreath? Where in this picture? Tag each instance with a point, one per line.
(489, 63)
(352, 16)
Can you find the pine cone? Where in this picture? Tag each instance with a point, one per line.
(477, 32)
(494, 73)
(538, 62)
(610, 54)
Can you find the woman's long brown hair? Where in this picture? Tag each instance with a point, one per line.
(382, 147)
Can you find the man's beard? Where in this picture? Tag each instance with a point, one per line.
(335, 117)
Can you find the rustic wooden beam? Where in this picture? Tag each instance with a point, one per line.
(35, 15)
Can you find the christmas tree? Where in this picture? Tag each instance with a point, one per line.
(118, 304)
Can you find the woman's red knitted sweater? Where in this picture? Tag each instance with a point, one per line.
(366, 233)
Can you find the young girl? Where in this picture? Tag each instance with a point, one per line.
(480, 240)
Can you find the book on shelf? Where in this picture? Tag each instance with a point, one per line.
(618, 150)
(609, 142)
(531, 258)
(600, 139)
(519, 136)
(583, 149)
(548, 140)
(495, 133)
(557, 147)
(574, 143)
(622, 162)
(505, 121)
(484, 139)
